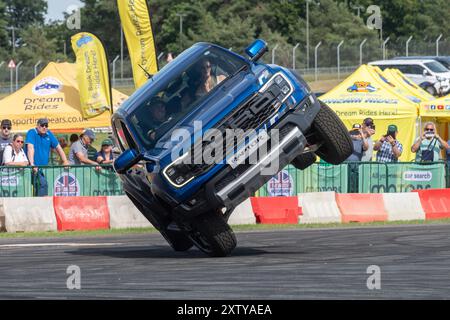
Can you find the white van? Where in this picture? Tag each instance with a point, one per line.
(428, 74)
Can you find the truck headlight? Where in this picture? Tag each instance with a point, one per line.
(178, 173)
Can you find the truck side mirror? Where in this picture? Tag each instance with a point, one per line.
(126, 160)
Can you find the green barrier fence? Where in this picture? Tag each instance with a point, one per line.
(362, 177)
(15, 182)
(62, 181)
(401, 177)
(358, 177)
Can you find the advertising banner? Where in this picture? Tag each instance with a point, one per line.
(137, 27)
(82, 181)
(92, 75)
(401, 177)
(15, 182)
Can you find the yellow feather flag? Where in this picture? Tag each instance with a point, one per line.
(92, 75)
(137, 28)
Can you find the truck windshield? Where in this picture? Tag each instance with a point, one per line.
(436, 67)
(182, 92)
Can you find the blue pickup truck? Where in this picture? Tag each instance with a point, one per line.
(210, 129)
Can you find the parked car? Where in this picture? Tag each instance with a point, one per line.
(444, 60)
(428, 74)
(190, 201)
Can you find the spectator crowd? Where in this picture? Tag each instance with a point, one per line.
(39, 148)
(428, 146)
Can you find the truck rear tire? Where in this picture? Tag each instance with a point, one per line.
(303, 161)
(337, 145)
(212, 234)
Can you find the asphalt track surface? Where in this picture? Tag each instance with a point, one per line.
(287, 264)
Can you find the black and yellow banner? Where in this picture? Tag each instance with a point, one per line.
(137, 27)
(92, 75)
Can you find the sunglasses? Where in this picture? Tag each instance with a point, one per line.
(44, 125)
(4, 128)
(429, 130)
(19, 141)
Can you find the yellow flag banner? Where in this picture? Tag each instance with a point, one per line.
(137, 27)
(92, 75)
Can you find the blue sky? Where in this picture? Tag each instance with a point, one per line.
(57, 7)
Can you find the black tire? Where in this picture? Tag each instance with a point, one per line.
(337, 145)
(303, 161)
(177, 240)
(212, 235)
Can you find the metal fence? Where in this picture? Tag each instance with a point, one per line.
(322, 60)
(62, 181)
(359, 177)
(349, 177)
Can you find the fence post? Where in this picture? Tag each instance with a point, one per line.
(293, 55)
(360, 50)
(315, 59)
(384, 47)
(339, 58)
(407, 45)
(35, 67)
(17, 74)
(273, 53)
(114, 70)
(437, 44)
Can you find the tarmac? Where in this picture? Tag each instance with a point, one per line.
(392, 262)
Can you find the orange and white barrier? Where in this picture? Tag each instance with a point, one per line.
(81, 213)
(243, 214)
(403, 206)
(28, 214)
(361, 207)
(123, 214)
(435, 203)
(87, 213)
(276, 210)
(319, 207)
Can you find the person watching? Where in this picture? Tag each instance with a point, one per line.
(14, 155)
(105, 155)
(428, 146)
(368, 128)
(39, 142)
(360, 143)
(5, 137)
(78, 154)
(388, 147)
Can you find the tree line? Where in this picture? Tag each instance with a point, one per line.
(230, 23)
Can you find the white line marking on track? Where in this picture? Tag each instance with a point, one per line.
(59, 244)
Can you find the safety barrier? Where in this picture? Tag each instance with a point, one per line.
(276, 210)
(243, 214)
(81, 213)
(71, 180)
(435, 203)
(350, 177)
(358, 177)
(361, 207)
(403, 206)
(28, 214)
(319, 207)
(124, 214)
(87, 213)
